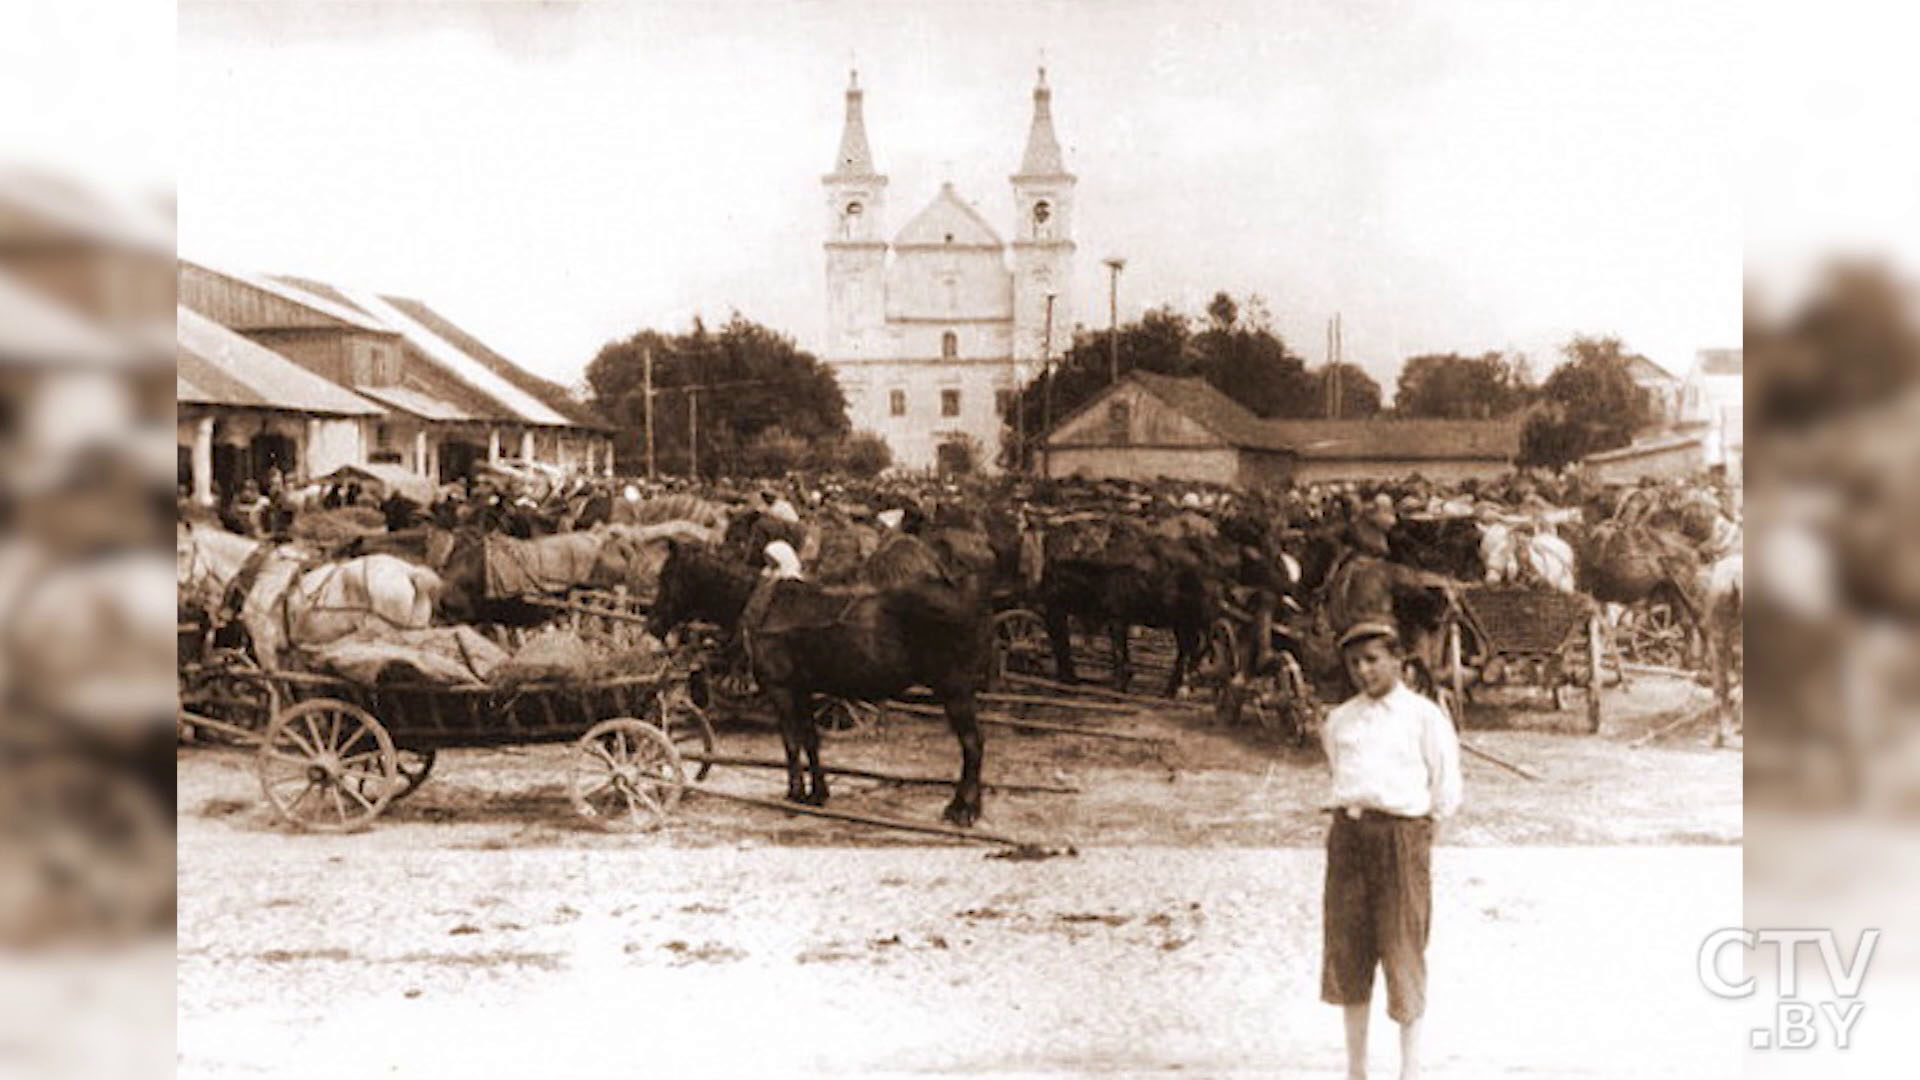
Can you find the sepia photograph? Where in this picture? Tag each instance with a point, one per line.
(969, 538)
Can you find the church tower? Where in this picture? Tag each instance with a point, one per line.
(856, 241)
(1042, 239)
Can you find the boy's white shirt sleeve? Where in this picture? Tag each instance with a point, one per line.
(1442, 751)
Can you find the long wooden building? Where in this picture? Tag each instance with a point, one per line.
(441, 400)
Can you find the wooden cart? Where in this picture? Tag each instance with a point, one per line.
(336, 753)
(1511, 634)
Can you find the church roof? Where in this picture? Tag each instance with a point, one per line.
(854, 158)
(1043, 147)
(948, 222)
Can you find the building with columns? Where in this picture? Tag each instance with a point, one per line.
(444, 401)
(932, 330)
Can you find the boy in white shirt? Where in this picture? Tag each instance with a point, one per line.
(1395, 767)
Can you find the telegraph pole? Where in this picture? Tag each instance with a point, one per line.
(1046, 390)
(646, 368)
(1114, 264)
(1339, 357)
(693, 433)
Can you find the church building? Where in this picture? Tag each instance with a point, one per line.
(932, 332)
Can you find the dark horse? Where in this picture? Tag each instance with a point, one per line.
(862, 644)
(1120, 575)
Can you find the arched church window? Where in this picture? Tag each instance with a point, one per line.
(1042, 216)
(949, 345)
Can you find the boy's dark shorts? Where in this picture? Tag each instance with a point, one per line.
(1377, 906)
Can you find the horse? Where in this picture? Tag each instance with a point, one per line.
(631, 555)
(1109, 571)
(291, 602)
(487, 574)
(861, 644)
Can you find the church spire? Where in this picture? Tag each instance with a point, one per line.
(1043, 148)
(854, 159)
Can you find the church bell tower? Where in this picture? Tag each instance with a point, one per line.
(856, 242)
(1042, 239)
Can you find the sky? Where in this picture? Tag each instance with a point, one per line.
(1447, 177)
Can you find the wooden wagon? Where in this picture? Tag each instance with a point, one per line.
(1511, 634)
(337, 752)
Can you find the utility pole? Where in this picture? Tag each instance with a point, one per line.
(1046, 390)
(693, 433)
(646, 368)
(1339, 358)
(1114, 264)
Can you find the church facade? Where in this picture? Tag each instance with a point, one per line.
(931, 331)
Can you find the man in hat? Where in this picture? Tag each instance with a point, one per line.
(1394, 763)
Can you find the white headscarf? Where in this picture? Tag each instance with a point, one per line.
(786, 561)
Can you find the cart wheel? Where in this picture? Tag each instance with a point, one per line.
(1020, 643)
(229, 689)
(731, 690)
(1657, 635)
(414, 766)
(328, 766)
(1219, 658)
(1303, 712)
(626, 776)
(686, 726)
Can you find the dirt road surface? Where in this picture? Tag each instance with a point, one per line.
(477, 931)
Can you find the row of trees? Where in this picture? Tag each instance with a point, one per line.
(761, 406)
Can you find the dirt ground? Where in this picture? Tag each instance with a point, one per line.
(479, 930)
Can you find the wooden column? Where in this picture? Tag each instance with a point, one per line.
(421, 463)
(493, 445)
(526, 445)
(203, 461)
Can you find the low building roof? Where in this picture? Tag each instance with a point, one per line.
(1372, 439)
(418, 403)
(468, 369)
(1644, 448)
(547, 391)
(217, 366)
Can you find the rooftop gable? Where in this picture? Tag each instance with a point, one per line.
(948, 222)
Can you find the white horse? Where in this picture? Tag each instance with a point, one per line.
(293, 603)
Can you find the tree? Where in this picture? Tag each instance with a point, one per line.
(1237, 352)
(1359, 394)
(1592, 403)
(1251, 364)
(745, 380)
(866, 455)
(1454, 387)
